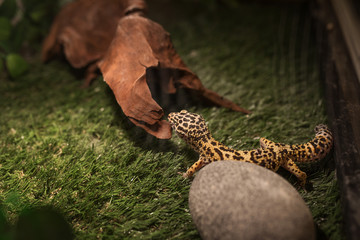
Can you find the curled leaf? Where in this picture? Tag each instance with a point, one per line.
(138, 45)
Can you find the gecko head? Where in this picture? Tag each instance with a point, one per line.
(188, 126)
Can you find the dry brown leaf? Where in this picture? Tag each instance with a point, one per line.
(83, 30)
(140, 44)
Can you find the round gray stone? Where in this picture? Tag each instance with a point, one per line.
(238, 200)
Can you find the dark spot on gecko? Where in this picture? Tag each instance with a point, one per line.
(238, 158)
(273, 165)
(219, 153)
(317, 150)
(313, 144)
(255, 161)
(262, 163)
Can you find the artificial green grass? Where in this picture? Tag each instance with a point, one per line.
(73, 148)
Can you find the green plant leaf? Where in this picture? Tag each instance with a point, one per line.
(16, 65)
(5, 29)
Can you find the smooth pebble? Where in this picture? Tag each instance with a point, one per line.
(239, 200)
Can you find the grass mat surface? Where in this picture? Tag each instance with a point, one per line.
(73, 148)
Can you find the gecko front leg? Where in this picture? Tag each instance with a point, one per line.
(195, 167)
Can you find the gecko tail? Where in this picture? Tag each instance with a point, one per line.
(317, 148)
(313, 150)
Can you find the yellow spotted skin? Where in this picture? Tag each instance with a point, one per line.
(192, 128)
